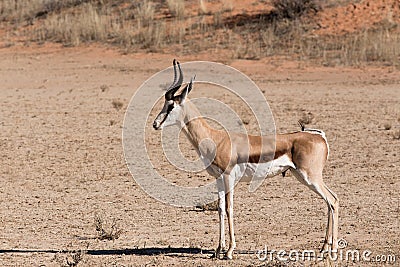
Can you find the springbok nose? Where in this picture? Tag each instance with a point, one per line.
(155, 125)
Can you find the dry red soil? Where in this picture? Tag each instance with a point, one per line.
(62, 163)
(358, 16)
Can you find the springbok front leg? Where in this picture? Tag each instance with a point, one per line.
(221, 215)
(229, 185)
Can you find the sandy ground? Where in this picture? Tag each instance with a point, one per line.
(62, 164)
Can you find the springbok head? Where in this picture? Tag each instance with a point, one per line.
(172, 111)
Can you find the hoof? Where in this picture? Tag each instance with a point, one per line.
(229, 255)
(226, 257)
(214, 256)
(325, 248)
(328, 248)
(217, 253)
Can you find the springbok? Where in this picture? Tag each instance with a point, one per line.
(237, 155)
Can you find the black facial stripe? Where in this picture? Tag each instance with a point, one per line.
(169, 109)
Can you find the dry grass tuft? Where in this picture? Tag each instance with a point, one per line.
(117, 104)
(374, 45)
(396, 135)
(102, 234)
(177, 8)
(72, 259)
(387, 126)
(213, 206)
(17, 12)
(104, 88)
(202, 8)
(86, 24)
(227, 5)
(294, 9)
(306, 118)
(152, 36)
(144, 13)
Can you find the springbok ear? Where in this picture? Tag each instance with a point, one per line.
(187, 89)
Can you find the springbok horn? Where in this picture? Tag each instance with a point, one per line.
(176, 83)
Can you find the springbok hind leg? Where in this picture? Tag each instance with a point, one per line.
(331, 236)
(316, 184)
(331, 240)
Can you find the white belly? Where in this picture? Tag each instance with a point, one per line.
(245, 172)
(248, 171)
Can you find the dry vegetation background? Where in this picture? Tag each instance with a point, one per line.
(326, 32)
